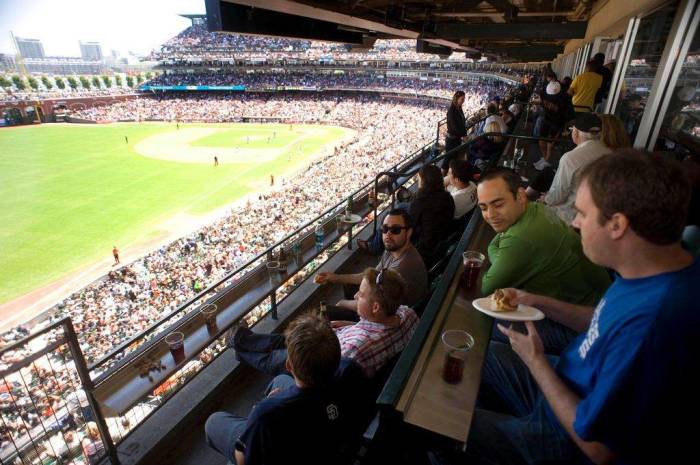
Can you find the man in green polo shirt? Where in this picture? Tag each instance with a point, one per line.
(536, 251)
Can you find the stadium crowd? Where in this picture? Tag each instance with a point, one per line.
(196, 41)
(367, 81)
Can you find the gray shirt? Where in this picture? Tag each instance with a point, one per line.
(412, 269)
(561, 195)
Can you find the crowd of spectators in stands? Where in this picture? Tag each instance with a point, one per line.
(197, 42)
(42, 94)
(366, 81)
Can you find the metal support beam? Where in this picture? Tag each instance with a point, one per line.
(534, 51)
(573, 30)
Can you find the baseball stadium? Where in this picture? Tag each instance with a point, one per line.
(386, 232)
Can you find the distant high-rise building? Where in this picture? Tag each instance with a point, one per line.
(91, 51)
(7, 62)
(30, 48)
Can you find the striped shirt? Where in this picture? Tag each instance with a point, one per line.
(371, 344)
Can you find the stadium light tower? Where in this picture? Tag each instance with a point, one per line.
(18, 57)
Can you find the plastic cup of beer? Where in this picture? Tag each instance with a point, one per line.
(176, 344)
(473, 261)
(209, 311)
(273, 269)
(457, 344)
(339, 223)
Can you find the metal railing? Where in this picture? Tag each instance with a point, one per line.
(48, 413)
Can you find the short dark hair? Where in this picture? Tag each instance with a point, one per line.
(491, 109)
(403, 214)
(653, 193)
(550, 74)
(431, 179)
(389, 292)
(599, 57)
(592, 65)
(511, 178)
(461, 170)
(313, 350)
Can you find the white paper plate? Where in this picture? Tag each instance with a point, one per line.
(524, 313)
(352, 219)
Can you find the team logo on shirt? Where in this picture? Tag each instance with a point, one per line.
(332, 412)
(593, 333)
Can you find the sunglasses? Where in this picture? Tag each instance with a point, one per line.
(393, 229)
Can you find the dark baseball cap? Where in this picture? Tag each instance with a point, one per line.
(587, 122)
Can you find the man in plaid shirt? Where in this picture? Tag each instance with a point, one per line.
(383, 331)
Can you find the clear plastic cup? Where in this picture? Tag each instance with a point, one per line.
(457, 344)
(273, 269)
(176, 344)
(209, 312)
(473, 261)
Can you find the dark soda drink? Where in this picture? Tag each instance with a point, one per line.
(471, 273)
(178, 353)
(453, 369)
(176, 344)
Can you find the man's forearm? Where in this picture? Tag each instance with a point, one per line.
(576, 317)
(355, 278)
(563, 402)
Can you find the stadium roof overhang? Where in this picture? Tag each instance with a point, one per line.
(507, 30)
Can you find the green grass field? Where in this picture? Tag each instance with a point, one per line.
(68, 193)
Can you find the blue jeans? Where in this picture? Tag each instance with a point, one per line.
(510, 424)
(224, 429)
(555, 336)
(264, 352)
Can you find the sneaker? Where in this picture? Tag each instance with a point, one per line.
(231, 334)
(538, 163)
(543, 165)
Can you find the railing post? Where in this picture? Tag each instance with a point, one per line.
(89, 387)
(273, 304)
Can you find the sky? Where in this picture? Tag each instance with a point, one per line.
(123, 25)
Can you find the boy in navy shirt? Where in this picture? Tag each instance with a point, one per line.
(621, 391)
(308, 417)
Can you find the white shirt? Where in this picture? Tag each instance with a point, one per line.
(561, 195)
(465, 199)
(498, 120)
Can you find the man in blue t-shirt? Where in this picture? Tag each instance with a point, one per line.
(308, 417)
(621, 391)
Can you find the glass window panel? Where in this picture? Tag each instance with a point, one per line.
(644, 60)
(680, 130)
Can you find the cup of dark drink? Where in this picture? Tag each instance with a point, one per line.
(209, 311)
(176, 344)
(457, 344)
(473, 261)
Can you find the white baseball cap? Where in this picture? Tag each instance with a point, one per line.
(553, 88)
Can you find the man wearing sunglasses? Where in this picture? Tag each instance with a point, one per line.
(399, 255)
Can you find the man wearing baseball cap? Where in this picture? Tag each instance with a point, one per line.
(585, 133)
(556, 107)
